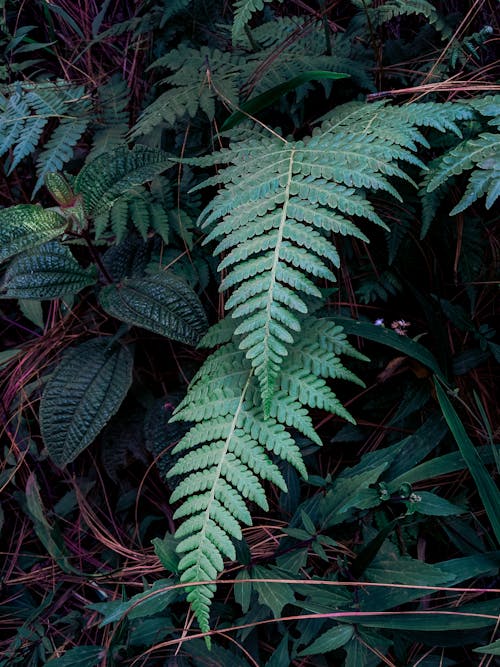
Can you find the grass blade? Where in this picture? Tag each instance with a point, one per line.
(488, 491)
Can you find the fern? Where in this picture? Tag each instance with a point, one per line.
(377, 14)
(301, 48)
(138, 208)
(480, 155)
(230, 451)
(25, 113)
(243, 11)
(282, 200)
(205, 78)
(200, 77)
(112, 117)
(274, 221)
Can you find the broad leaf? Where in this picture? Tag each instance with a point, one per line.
(111, 175)
(47, 272)
(25, 226)
(493, 649)
(151, 601)
(161, 302)
(271, 594)
(330, 640)
(84, 392)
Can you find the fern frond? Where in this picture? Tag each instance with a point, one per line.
(282, 201)
(243, 12)
(59, 148)
(481, 155)
(301, 48)
(376, 16)
(112, 117)
(25, 113)
(199, 78)
(228, 453)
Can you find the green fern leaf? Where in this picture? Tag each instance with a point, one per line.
(25, 113)
(26, 226)
(482, 155)
(243, 11)
(28, 141)
(219, 333)
(110, 176)
(200, 78)
(228, 453)
(59, 149)
(375, 16)
(162, 303)
(14, 112)
(48, 272)
(282, 201)
(81, 396)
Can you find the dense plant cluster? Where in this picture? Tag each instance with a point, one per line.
(248, 274)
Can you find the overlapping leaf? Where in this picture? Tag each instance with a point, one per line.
(47, 272)
(161, 302)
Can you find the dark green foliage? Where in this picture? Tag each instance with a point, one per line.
(108, 177)
(81, 396)
(160, 302)
(47, 272)
(25, 226)
(210, 184)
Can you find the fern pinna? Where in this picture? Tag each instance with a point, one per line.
(274, 221)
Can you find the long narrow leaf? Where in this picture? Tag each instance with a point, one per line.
(388, 337)
(488, 491)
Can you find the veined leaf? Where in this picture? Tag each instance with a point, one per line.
(83, 393)
(26, 226)
(330, 640)
(162, 303)
(468, 617)
(492, 649)
(47, 272)
(111, 175)
(152, 601)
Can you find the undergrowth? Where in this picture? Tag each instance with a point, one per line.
(249, 265)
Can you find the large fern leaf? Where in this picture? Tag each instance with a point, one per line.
(231, 449)
(281, 203)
